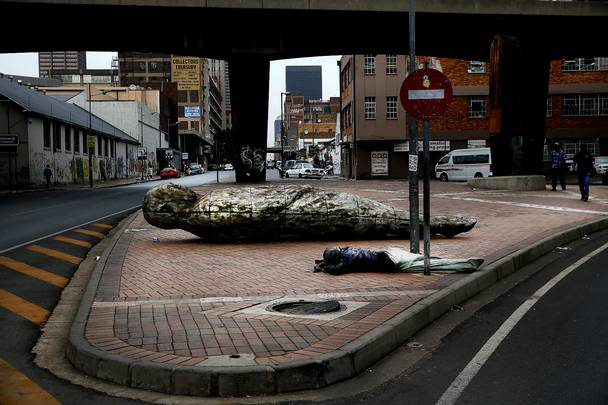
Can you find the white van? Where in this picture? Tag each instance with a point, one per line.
(464, 164)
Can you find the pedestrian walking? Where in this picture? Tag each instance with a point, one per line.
(584, 166)
(558, 167)
(47, 175)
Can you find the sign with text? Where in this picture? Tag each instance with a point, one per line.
(426, 93)
(184, 155)
(192, 111)
(186, 71)
(141, 154)
(9, 140)
(434, 146)
(379, 162)
(90, 142)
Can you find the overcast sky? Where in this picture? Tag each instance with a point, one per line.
(26, 64)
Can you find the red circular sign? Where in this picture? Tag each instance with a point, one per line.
(426, 93)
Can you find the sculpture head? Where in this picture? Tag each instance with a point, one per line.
(169, 198)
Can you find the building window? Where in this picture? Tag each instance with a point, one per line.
(477, 107)
(369, 64)
(46, 133)
(194, 125)
(76, 140)
(194, 96)
(370, 108)
(572, 147)
(68, 139)
(57, 136)
(476, 67)
(112, 147)
(549, 106)
(391, 64)
(99, 145)
(182, 96)
(106, 141)
(584, 64)
(391, 108)
(578, 105)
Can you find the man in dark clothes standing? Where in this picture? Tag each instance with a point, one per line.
(558, 167)
(47, 175)
(584, 166)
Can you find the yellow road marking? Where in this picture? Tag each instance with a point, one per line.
(35, 272)
(73, 241)
(16, 388)
(90, 233)
(100, 225)
(55, 253)
(26, 309)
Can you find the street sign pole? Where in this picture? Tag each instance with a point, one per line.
(426, 193)
(424, 94)
(413, 155)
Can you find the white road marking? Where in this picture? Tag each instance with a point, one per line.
(460, 383)
(68, 229)
(526, 205)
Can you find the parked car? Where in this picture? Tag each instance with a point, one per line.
(195, 168)
(289, 165)
(228, 166)
(169, 172)
(464, 164)
(304, 170)
(601, 164)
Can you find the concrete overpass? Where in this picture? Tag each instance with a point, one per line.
(251, 33)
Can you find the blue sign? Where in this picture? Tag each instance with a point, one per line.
(193, 111)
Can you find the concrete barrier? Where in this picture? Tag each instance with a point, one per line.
(515, 183)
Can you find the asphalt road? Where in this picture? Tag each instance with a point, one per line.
(32, 215)
(556, 354)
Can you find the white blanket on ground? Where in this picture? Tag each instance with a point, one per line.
(412, 262)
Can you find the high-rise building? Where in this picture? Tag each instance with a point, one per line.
(141, 68)
(305, 81)
(60, 60)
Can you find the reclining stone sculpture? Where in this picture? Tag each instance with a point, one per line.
(271, 212)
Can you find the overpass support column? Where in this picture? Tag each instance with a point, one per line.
(519, 83)
(249, 98)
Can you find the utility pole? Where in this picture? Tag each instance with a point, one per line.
(413, 155)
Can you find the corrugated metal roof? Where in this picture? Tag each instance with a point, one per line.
(50, 107)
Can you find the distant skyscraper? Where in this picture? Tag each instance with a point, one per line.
(305, 81)
(62, 60)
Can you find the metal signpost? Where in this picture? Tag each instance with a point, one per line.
(413, 154)
(424, 94)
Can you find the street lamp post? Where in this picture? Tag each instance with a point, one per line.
(91, 150)
(287, 93)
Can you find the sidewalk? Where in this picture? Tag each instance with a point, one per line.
(184, 317)
(85, 185)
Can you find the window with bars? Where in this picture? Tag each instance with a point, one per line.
(391, 64)
(370, 108)
(57, 136)
(578, 105)
(476, 67)
(76, 140)
(369, 64)
(549, 111)
(585, 64)
(68, 139)
(46, 133)
(477, 106)
(391, 108)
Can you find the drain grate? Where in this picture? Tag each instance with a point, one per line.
(306, 307)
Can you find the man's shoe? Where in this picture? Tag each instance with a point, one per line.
(586, 198)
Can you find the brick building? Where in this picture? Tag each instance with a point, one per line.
(373, 120)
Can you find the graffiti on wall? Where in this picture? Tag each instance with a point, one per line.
(253, 159)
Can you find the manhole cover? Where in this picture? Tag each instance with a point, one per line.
(306, 307)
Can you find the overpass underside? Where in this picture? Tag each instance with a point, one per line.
(523, 35)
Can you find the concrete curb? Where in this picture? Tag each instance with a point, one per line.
(318, 372)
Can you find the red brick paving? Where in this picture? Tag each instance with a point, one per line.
(148, 304)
